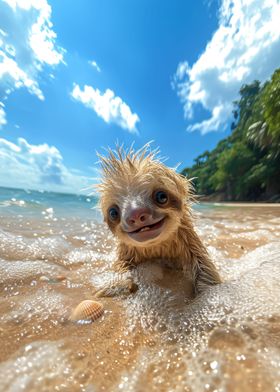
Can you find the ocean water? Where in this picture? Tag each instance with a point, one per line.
(36, 203)
(56, 252)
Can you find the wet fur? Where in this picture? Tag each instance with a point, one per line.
(140, 172)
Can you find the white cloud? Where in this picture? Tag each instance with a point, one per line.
(3, 120)
(95, 65)
(245, 47)
(27, 44)
(39, 166)
(109, 107)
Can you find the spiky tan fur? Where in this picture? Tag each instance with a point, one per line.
(141, 171)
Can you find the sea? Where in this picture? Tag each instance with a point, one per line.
(55, 252)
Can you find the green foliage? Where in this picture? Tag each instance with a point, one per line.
(232, 166)
(245, 165)
(271, 97)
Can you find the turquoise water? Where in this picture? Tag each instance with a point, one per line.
(38, 203)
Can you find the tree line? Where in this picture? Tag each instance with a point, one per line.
(246, 164)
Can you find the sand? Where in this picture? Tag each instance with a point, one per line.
(157, 339)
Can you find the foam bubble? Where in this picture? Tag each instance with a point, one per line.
(39, 366)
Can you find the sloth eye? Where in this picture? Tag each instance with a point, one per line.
(113, 213)
(161, 197)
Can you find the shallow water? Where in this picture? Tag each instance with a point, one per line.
(154, 340)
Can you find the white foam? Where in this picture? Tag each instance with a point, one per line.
(39, 366)
(18, 271)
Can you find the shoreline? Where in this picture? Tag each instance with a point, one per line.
(241, 204)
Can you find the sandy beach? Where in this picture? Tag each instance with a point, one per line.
(157, 339)
(243, 204)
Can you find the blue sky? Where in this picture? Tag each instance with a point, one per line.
(79, 76)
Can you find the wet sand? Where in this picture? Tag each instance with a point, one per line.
(157, 339)
(243, 204)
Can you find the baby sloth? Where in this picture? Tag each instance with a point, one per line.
(147, 207)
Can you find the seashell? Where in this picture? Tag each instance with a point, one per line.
(87, 310)
(44, 278)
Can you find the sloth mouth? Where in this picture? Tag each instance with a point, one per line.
(147, 232)
(149, 227)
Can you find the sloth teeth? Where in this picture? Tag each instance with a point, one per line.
(146, 228)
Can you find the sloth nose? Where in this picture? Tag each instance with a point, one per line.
(138, 216)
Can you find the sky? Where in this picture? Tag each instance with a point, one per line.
(79, 76)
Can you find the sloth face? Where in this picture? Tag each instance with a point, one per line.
(142, 200)
(144, 217)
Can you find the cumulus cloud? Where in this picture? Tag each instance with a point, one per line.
(109, 107)
(39, 166)
(3, 120)
(95, 65)
(27, 44)
(245, 47)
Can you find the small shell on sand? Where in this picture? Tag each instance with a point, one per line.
(44, 278)
(87, 310)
